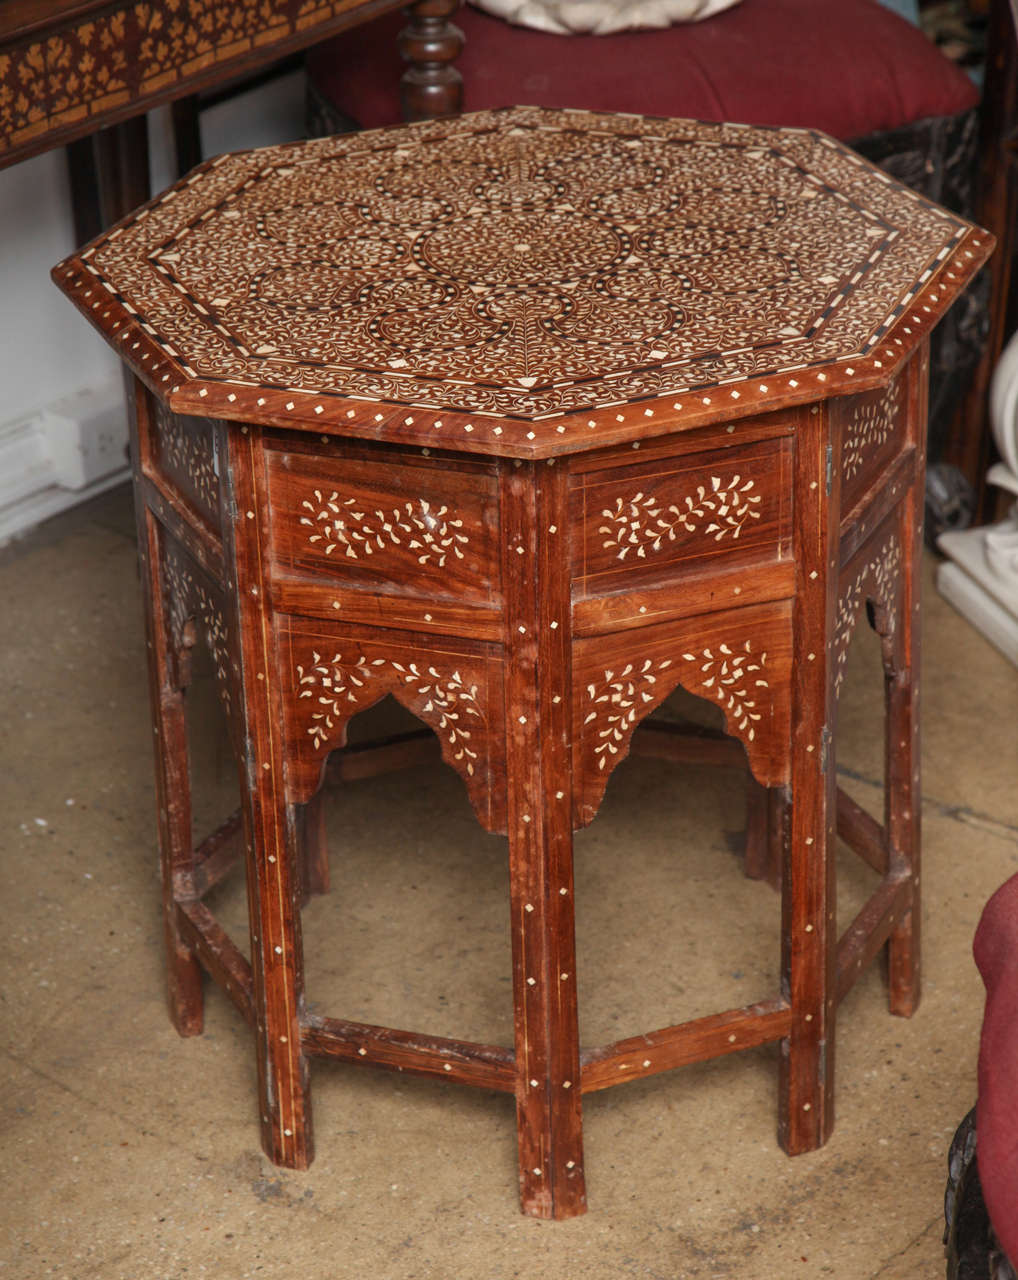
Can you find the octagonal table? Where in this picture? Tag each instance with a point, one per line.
(528, 418)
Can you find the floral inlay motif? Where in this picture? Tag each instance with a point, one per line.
(551, 276)
(187, 598)
(337, 684)
(617, 701)
(870, 425)
(733, 678)
(430, 532)
(875, 580)
(643, 524)
(190, 453)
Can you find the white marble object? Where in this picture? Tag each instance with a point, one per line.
(980, 576)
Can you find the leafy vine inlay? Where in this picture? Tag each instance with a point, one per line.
(732, 678)
(336, 522)
(334, 682)
(621, 696)
(874, 580)
(643, 524)
(187, 598)
(191, 453)
(871, 424)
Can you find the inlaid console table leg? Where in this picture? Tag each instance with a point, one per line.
(271, 827)
(809, 920)
(538, 706)
(903, 797)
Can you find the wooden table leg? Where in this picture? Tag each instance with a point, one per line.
(809, 920)
(903, 799)
(184, 979)
(539, 709)
(173, 784)
(271, 830)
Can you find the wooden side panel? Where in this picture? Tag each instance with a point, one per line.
(329, 673)
(198, 611)
(187, 459)
(410, 529)
(870, 433)
(740, 658)
(704, 513)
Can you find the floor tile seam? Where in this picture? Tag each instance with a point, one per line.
(931, 1225)
(34, 1070)
(1003, 829)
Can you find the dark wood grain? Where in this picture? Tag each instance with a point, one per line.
(538, 676)
(809, 922)
(710, 1037)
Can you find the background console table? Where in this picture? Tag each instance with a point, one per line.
(528, 418)
(71, 69)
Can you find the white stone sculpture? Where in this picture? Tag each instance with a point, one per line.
(980, 577)
(570, 17)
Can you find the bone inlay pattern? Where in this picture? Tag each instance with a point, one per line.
(523, 263)
(459, 695)
(875, 579)
(870, 426)
(188, 453)
(337, 686)
(642, 525)
(430, 534)
(190, 599)
(617, 702)
(734, 678)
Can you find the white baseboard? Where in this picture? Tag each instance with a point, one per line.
(64, 454)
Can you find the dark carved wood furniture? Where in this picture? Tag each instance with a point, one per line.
(528, 418)
(71, 69)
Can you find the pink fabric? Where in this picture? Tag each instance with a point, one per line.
(848, 67)
(996, 952)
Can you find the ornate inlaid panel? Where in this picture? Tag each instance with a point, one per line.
(197, 612)
(329, 674)
(872, 434)
(187, 453)
(713, 510)
(872, 576)
(406, 527)
(77, 71)
(739, 659)
(528, 280)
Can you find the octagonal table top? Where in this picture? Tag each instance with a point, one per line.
(524, 281)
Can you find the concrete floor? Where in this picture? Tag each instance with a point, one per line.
(130, 1154)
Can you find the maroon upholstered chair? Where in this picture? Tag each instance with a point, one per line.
(849, 67)
(982, 1197)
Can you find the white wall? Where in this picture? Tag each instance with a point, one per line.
(49, 355)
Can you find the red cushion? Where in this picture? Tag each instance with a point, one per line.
(996, 952)
(849, 67)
